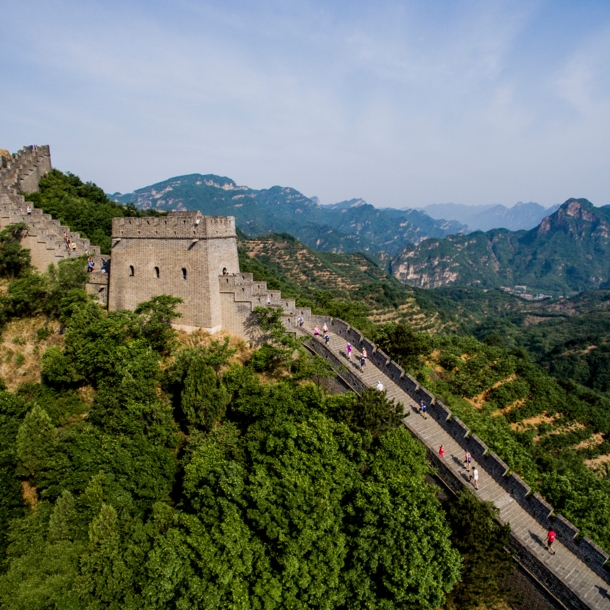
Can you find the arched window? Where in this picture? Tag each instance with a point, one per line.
(183, 273)
(224, 271)
(156, 271)
(132, 271)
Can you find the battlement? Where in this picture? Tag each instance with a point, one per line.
(25, 168)
(176, 225)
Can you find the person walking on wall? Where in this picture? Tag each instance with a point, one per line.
(73, 246)
(550, 540)
(327, 338)
(467, 460)
(300, 320)
(379, 386)
(325, 328)
(441, 451)
(348, 349)
(362, 362)
(475, 478)
(424, 410)
(316, 331)
(29, 210)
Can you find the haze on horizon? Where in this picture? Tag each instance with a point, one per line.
(403, 104)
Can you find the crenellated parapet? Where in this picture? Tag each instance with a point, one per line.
(25, 169)
(176, 225)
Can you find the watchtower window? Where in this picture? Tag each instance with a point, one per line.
(183, 273)
(132, 271)
(157, 272)
(224, 271)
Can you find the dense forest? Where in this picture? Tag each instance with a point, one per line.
(144, 468)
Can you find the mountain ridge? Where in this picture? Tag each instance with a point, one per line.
(521, 216)
(569, 251)
(349, 226)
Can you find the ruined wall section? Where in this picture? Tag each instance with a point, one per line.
(181, 254)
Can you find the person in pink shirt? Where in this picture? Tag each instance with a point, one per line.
(441, 451)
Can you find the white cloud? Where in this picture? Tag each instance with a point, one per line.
(394, 102)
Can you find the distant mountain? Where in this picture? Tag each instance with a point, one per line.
(569, 251)
(486, 217)
(349, 226)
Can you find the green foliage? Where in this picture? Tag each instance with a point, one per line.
(203, 400)
(81, 206)
(272, 502)
(482, 541)
(407, 347)
(14, 259)
(51, 293)
(370, 412)
(160, 311)
(282, 352)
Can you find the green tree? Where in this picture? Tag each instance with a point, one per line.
(36, 442)
(156, 321)
(371, 412)
(203, 399)
(14, 259)
(482, 542)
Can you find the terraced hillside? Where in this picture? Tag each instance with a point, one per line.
(318, 278)
(555, 434)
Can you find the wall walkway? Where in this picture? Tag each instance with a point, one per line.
(575, 574)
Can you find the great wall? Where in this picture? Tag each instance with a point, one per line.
(195, 257)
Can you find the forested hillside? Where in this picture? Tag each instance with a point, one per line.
(567, 253)
(142, 468)
(145, 468)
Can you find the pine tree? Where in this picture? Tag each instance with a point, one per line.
(36, 441)
(204, 401)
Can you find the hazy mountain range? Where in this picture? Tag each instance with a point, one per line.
(486, 217)
(567, 252)
(349, 226)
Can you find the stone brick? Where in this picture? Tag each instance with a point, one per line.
(183, 254)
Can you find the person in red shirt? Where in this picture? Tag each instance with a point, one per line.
(441, 451)
(550, 539)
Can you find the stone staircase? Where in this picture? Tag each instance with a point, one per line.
(45, 236)
(240, 294)
(577, 575)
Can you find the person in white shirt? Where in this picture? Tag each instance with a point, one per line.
(379, 386)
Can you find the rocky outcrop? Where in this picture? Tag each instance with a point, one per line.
(568, 252)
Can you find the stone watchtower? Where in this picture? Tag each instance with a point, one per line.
(181, 254)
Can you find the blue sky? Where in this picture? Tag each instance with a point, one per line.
(401, 103)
